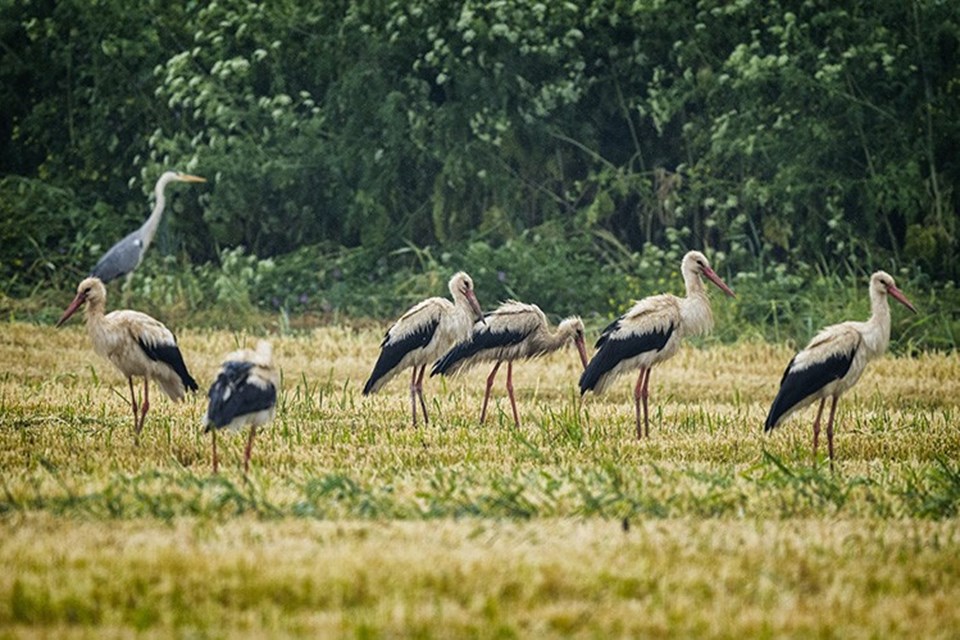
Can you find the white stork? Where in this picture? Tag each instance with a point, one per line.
(244, 393)
(514, 331)
(650, 333)
(423, 334)
(835, 359)
(136, 344)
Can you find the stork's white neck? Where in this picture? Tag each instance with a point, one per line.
(696, 317)
(876, 330)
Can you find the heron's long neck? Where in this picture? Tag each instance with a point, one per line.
(150, 226)
(876, 333)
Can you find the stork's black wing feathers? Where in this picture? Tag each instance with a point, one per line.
(613, 351)
(120, 259)
(233, 395)
(481, 339)
(610, 328)
(391, 354)
(797, 385)
(170, 354)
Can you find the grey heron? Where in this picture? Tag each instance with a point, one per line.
(126, 255)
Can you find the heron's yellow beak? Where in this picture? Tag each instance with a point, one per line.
(186, 177)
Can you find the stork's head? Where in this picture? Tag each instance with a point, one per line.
(461, 288)
(573, 326)
(89, 291)
(696, 263)
(882, 283)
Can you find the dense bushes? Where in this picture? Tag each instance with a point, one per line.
(813, 134)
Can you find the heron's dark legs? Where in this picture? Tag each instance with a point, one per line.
(486, 395)
(645, 394)
(833, 409)
(423, 405)
(213, 434)
(513, 401)
(246, 453)
(637, 393)
(816, 430)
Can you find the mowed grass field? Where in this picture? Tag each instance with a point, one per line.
(353, 523)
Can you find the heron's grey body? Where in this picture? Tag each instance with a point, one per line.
(126, 255)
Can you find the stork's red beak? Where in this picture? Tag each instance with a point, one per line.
(899, 297)
(712, 276)
(72, 309)
(581, 349)
(475, 305)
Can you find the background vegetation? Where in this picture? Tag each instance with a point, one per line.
(563, 152)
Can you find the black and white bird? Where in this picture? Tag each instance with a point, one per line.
(835, 359)
(423, 334)
(136, 344)
(244, 393)
(514, 331)
(651, 332)
(127, 254)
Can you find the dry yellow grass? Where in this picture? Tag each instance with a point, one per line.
(353, 523)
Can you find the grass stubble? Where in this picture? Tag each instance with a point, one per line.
(353, 523)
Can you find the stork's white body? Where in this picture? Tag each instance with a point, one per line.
(514, 331)
(116, 337)
(423, 334)
(835, 359)
(244, 394)
(136, 344)
(651, 332)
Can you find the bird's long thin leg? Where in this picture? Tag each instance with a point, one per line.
(213, 433)
(246, 453)
(486, 395)
(423, 405)
(637, 392)
(513, 401)
(833, 409)
(816, 429)
(645, 395)
(413, 394)
(145, 405)
(136, 412)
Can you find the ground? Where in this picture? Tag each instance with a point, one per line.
(354, 523)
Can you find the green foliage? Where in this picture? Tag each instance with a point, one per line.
(804, 135)
(43, 234)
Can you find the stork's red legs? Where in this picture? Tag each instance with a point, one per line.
(816, 429)
(486, 395)
(833, 409)
(246, 453)
(640, 393)
(416, 391)
(213, 433)
(513, 402)
(136, 411)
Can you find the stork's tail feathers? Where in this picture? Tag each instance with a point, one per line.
(776, 413)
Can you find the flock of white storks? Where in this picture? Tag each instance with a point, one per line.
(454, 336)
